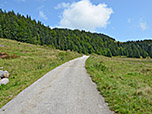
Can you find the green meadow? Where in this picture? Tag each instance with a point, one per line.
(26, 64)
(125, 83)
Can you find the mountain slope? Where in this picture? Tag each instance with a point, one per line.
(17, 27)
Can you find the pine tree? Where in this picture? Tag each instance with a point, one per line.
(109, 54)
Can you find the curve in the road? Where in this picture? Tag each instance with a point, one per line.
(67, 89)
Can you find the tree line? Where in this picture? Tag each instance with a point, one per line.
(18, 27)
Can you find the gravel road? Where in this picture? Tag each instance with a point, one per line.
(67, 89)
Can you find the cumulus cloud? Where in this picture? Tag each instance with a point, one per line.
(42, 15)
(85, 15)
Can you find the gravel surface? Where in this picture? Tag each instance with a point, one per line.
(67, 89)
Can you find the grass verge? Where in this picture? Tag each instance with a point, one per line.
(31, 63)
(125, 83)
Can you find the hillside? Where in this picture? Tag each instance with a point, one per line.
(24, 29)
(26, 63)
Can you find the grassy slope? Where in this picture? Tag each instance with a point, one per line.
(125, 83)
(33, 63)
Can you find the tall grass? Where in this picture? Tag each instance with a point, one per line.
(32, 62)
(125, 83)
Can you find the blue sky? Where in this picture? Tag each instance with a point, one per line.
(121, 19)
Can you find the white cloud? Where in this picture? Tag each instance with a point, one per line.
(143, 25)
(42, 15)
(62, 5)
(85, 15)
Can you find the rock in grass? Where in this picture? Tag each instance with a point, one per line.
(4, 74)
(1, 74)
(4, 81)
